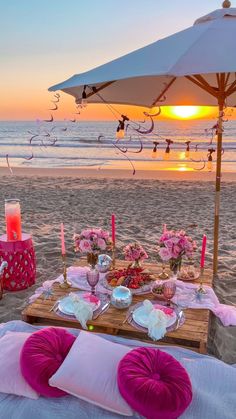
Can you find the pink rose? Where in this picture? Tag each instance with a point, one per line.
(182, 242)
(101, 244)
(96, 231)
(165, 254)
(168, 244)
(85, 246)
(86, 233)
(176, 251)
(135, 254)
(105, 234)
(175, 240)
(165, 236)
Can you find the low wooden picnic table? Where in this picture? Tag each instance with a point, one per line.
(192, 334)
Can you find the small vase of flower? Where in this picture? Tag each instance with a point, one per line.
(92, 241)
(173, 246)
(135, 253)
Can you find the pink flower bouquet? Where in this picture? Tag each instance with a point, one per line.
(173, 245)
(92, 240)
(134, 252)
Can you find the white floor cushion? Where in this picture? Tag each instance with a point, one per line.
(90, 372)
(11, 379)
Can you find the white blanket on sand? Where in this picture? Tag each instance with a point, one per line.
(214, 388)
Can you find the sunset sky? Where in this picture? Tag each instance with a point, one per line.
(43, 42)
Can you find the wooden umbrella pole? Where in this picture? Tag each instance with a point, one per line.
(218, 182)
(220, 93)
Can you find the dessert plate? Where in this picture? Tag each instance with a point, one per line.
(186, 277)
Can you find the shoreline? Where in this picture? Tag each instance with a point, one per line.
(117, 174)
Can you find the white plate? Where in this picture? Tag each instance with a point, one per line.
(66, 305)
(140, 316)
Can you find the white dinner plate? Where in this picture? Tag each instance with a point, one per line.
(66, 305)
(140, 316)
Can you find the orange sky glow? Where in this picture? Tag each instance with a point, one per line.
(40, 49)
(30, 105)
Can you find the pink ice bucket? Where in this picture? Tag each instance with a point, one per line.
(20, 256)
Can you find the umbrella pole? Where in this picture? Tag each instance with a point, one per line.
(218, 185)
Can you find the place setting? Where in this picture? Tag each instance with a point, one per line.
(158, 315)
(82, 306)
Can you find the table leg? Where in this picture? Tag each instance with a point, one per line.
(203, 347)
(28, 319)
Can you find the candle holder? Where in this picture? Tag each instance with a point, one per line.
(65, 284)
(13, 219)
(201, 290)
(113, 256)
(163, 274)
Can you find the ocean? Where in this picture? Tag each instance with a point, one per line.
(93, 144)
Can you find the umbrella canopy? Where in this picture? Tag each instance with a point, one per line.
(141, 77)
(196, 66)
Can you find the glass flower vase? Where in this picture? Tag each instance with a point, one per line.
(175, 266)
(92, 259)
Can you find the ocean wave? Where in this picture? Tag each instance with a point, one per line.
(80, 142)
(179, 145)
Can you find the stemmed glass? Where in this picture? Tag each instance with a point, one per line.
(92, 279)
(169, 288)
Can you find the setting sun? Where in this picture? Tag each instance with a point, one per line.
(189, 112)
(185, 112)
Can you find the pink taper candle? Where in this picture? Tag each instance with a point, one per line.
(164, 228)
(63, 247)
(113, 229)
(204, 240)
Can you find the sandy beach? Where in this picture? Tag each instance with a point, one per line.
(142, 203)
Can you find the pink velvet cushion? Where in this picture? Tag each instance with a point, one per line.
(154, 383)
(42, 355)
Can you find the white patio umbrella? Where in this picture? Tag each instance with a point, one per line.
(196, 66)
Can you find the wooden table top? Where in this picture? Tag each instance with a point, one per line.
(192, 334)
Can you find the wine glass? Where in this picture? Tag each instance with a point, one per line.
(92, 279)
(169, 288)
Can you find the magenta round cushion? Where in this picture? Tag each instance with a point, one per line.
(42, 355)
(154, 383)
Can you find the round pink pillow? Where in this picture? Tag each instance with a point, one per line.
(41, 356)
(154, 383)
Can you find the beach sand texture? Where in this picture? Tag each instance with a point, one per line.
(141, 207)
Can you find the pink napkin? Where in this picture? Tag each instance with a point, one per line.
(166, 310)
(186, 296)
(91, 298)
